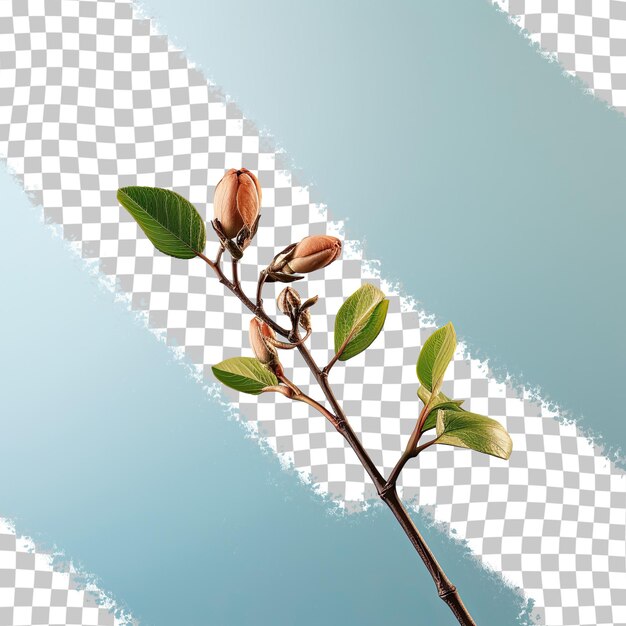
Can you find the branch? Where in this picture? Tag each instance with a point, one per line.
(331, 363)
(417, 431)
(387, 491)
(237, 291)
(259, 289)
(235, 271)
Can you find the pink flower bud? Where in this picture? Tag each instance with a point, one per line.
(264, 351)
(237, 201)
(313, 253)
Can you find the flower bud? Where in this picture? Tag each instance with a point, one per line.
(288, 301)
(264, 351)
(237, 201)
(313, 253)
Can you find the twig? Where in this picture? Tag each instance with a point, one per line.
(404, 459)
(331, 363)
(259, 312)
(300, 396)
(386, 489)
(259, 288)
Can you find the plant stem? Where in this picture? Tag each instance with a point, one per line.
(386, 489)
(446, 590)
(331, 363)
(237, 291)
(300, 396)
(417, 431)
(404, 459)
(259, 288)
(234, 266)
(387, 492)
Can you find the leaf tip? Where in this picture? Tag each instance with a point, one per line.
(451, 329)
(509, 449)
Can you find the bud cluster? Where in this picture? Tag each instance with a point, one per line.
(237, 206)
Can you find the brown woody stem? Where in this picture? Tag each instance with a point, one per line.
(386, 489)
(259, 288)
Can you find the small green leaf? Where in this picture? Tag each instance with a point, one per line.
(477, 432)
(244, 374)
(435, 356)
(169, 221)
(359, 321)
(441, 401)
(453, 405)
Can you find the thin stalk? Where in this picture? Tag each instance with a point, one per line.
(385, 489)
(336, 355)
(417, 431)
(234, 267)
(259, 288)
(404, 459)
(300, 396)
(331, 363)
(237, 291)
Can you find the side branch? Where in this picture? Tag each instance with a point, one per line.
(237, 291)
(385, 489)
(404, 459)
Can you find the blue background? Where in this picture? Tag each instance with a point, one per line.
(485, 180)
(487, 183)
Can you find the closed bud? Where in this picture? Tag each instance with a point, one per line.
(309, 303)
(237, 201)
(313, 253)
(288, 301)
(265, 352)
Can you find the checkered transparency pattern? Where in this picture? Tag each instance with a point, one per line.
(93, 99)
(32, 591)
(588, 37)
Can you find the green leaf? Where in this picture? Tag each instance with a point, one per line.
(477, 432)
(244, 374)
(359, 321)
(169, 221)
(441, 401)
(435, 356)
(431, 420)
